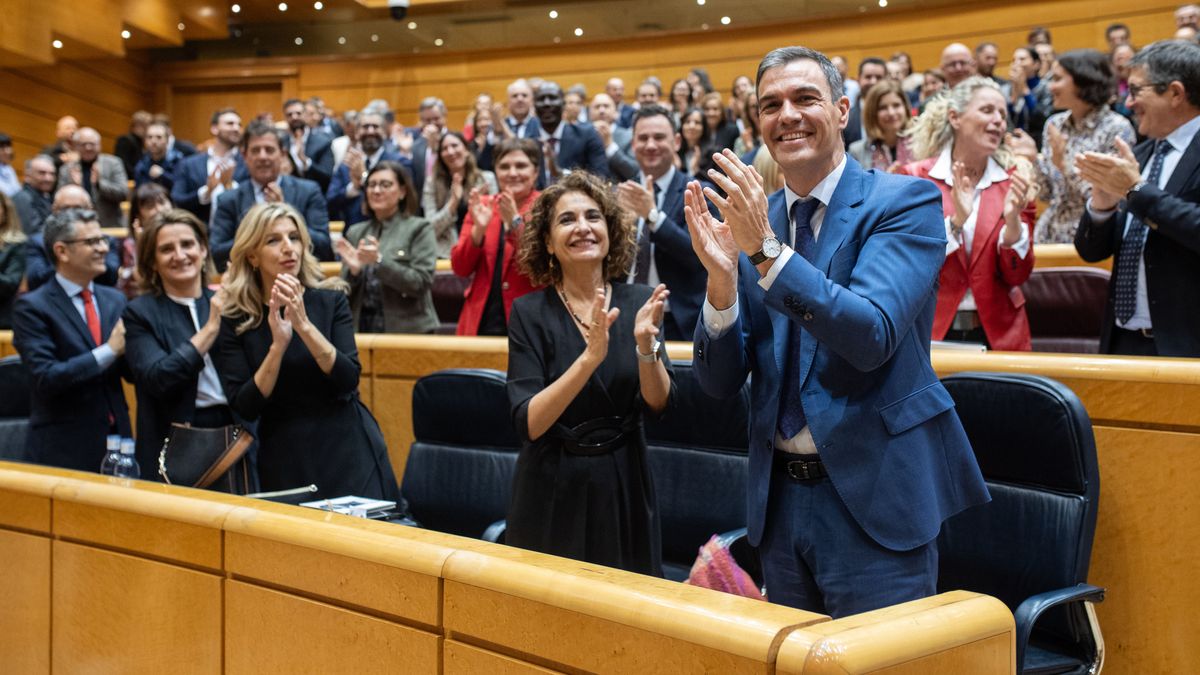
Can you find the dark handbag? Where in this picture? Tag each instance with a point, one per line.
(200, 458)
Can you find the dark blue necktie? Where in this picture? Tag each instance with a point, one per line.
(641, 269)
(791, 409)
(1130, 255)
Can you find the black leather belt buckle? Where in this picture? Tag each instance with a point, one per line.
(802, 470)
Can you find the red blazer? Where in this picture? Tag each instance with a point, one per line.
(993, 274)
(467, 258)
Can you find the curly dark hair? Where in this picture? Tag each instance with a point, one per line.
(535, 259)
(1092, 72)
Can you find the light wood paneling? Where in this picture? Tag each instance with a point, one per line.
(24, 511)
(463, 659)
(271, 632)
(115, 613)
(158, 537)
(192, 106)
(1063, 255)
(25, 588)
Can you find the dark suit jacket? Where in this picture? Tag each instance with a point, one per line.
(1171, 253)
(39, 269)
(579, 148)
(12, 270)
(191, 174)
(875, 407)
(349, 209)
(318, 148)
(677, 264)
(185, 148)
(417, 166)
(141, 172)
(853, 130)
(532, 127)
(33, 208)
(72, 398)
(129, 150)
(232, 206)
(625, 115)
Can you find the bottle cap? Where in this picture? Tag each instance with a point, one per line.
(113, 442)
(127, 446)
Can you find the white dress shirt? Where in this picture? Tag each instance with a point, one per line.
(103, 354)
(208, 387)
(663, 182)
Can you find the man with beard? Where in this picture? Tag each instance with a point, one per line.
(202, 177)
(101, 175)
(157, 164)
(345, 191)
(263, 148)
(565, 146)
(310, 150)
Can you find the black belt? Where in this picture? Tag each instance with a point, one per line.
(803, 468)
(598, 436)
(1142, 333)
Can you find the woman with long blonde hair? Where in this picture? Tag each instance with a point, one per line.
(287, 358)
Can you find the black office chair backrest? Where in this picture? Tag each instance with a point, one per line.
(14, 387)
(1034, 443)
(460, 467)
(697, 456)
(1066, 308)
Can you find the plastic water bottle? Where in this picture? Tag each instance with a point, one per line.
(112, 455)
(127, 466)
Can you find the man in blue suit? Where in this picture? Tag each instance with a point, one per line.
(263, 148)
(310, 150)
(565, 146)
(202, 177)
(432, 114)
(70, 337)
(825, 293)
(521, 120)
(655, 195)
(345, 191)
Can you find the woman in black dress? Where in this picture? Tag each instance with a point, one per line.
(584, 365)
(287, 357)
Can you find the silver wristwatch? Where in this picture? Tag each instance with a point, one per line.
(771, 248)
(655, 347)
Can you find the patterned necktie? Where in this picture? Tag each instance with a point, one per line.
(791, 409)
(550, 149)
(93, 319)
(641, 270)
(1130, 255)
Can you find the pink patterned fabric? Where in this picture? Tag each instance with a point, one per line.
(715, 568)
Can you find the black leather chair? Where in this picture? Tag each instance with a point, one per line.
(460, 468)
(1066, 308)
(1031, 545)
(14, 408)
(448, 289)
(697, 455)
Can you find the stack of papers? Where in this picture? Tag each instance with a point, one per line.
(354, 506)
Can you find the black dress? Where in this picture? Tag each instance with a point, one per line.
(313, 428)
(600, 507)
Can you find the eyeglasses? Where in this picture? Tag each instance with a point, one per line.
(1159, 87)
(94, 242)
(381, 185)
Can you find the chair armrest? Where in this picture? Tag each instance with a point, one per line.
(495, 532)
(1034, 606)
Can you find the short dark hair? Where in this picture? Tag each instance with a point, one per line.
(1172, 61)
(984, 45)
(1114, 27)
(1033, 53)
(259, 128)
(1039, 32)
(408, 205)
(1092, 72)
(5, 140)
(871, 61)
(531, 148)
(61, 225)
(216, 116)
(291, 102)
(785, 55)
(534, 257)
(647, 111)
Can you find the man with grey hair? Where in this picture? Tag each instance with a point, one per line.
(39, 268)
(1187, 15)
(1144, 210)
(71, 338)
(957, 63)
(101, 175)
(521, 120)
(34, 199)
(824, 293)
(432, 114)
(345, 191)
(616, 140)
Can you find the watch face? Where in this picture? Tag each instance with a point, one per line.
(771, 247)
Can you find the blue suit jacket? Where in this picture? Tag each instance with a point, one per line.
(579, 148)
(677, 264)
(532, 127)
(232, 206)
(190, 175)
(72, 397)
(318, 148)
(141, 172)
(884, 425)
(349, 209)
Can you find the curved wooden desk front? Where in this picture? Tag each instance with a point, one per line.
(105, 575)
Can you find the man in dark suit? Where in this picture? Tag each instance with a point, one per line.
(1145, 210)
(101, 174)
(521, 120)
(871, 71)
(158, 163)
(602, 115)
(263, 148)
(34, 200)
(39, 265)
(432, 113)
(70, 337)
(825, 293)
(129, 147)
(310, 150)
(565, 146)
(655, 195)
(204, 176)
(615, 88)
(318, 118)
(345, 191)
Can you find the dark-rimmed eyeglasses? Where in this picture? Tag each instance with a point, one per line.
(94, 242)
(1159, 87)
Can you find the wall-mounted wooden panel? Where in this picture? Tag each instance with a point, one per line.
(463, 659)
(24, 511)
(25, 589)
(159, 537)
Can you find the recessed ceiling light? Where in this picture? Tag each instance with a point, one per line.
(318, 5)
(283, 6)
(341, 41)
(236, 8)
(578, 32)
(299, 41)
(125, 35)
(557, 39)
(554, 14)
(57, 44)
(883, 3)
(725, 21)
(412, 25)
(703, 26)
(181, 26)
(700, 2)
(439, 42)
(374, 38)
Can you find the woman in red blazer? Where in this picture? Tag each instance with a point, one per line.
(490, 233)
(989, 216)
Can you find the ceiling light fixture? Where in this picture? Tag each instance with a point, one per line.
(439, 42)
(412, 25)
(299, 41)
(374, 38)
(125, 35)
(700, 2)
(554, 14)
(578, 32)
(283, 6)
(341, 41)
(725, 21)
(236, 9)
(181, 26)
(883, 3)
(318, 5)
(57, 44)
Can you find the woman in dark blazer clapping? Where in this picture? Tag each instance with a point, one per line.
(169, 332)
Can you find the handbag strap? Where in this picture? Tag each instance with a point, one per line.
(233, 453)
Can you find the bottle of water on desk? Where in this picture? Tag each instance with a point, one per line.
(127, 466)
(112, 454)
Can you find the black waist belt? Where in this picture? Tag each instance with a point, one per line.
(598, 436)
(799, 467)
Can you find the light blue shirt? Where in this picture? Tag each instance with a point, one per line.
(9, 184)
(103, 354)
